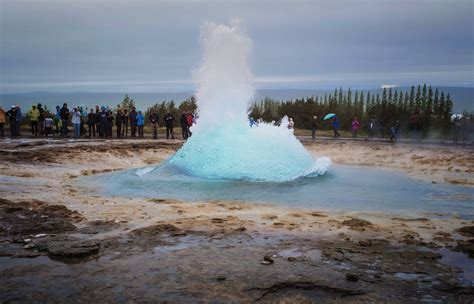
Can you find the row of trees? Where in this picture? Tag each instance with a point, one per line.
(435, 107)
(163, 107)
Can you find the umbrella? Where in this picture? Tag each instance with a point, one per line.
(330, 115)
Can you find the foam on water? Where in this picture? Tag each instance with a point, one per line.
(223, 145)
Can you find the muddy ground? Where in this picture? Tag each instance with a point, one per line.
(62, 243)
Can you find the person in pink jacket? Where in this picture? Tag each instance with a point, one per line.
(355, 127)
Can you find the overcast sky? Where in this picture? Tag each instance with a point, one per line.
(152, 46)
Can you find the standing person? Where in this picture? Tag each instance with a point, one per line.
(19, 117)
(355, 127)
(169, 122)
(103, 122)
(57, 118)
(190, 121)
(41, 117)
(97, 121)
(371, 128)
(34, 115)
(395, 131)
(154, 123)
(140, 123)
(64, 114)
(118, 122)
(11, 114)
(76, 122)
(335, 126)
(91, 123)
(132, 118)
(2, 122)
(110, 123)
(184, 125)
(125, 124)
(314, 126)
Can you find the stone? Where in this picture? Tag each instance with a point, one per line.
(352, 277)
(268, 258)
(466, 231)
(29, 246)
(365, 243)
(73, 249)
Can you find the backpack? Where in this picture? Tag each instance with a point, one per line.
(189, 119)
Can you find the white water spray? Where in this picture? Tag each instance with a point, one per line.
(223, 145)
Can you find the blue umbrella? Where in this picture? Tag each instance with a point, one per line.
(330, 115)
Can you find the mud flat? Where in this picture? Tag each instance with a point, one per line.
(60, 242)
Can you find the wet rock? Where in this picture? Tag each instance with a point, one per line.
(268, 258)
(365, 243)
(30, 218)
(220, 278)
(29, 246)
(352, 277)
(357, 224)
(99, 226)
(217, 220)
(73, 249)
(466, 246)
(419, 219)
(466, 231)
(154, 230)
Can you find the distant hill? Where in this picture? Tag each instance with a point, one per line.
(463, 97)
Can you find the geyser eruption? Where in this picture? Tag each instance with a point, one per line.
(223, 145)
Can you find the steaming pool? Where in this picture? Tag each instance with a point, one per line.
(341, 188)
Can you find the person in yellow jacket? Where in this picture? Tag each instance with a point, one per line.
(3, 120)
(34, 115)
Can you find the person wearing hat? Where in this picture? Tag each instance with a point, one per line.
(2, 121)
(34, 114)
(314, 126)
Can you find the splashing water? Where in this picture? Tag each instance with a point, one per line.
(223, 145)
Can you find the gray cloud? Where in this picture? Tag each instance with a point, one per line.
(106, 45)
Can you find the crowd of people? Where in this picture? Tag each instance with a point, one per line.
(98, 122)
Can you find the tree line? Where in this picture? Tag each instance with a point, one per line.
(434, 106)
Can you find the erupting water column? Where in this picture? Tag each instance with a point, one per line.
(223, 145)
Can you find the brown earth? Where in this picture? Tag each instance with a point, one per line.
(62, 243)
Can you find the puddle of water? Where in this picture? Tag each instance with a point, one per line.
(313, 254)
(461, 261)
(341, 188)
(184, 242)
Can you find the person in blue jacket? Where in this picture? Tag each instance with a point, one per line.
(140, 123)
(335, 126)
